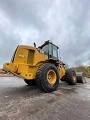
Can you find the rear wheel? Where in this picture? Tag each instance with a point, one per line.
(71, 77)
(30, 82)
(47, 77)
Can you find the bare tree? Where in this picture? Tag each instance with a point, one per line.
(78, 63)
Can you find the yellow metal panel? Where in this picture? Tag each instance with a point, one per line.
(21, 56)
(10, 66)
(29, 55)
(28, 76)
(61, 70)
(27, 71)
(22, 68)
(27, 59)
(30, 58)
(39, 57)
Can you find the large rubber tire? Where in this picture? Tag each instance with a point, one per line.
(30, 82)
(71, 78)
(47, 77)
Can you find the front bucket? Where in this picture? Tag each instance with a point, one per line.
(80, 77)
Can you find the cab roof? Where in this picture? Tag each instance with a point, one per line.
(47, 42)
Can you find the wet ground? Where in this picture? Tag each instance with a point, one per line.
(21, 102)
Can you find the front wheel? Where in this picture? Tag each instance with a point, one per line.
(71, 78)
(47, 77)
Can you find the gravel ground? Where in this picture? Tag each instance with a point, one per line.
(18, 101)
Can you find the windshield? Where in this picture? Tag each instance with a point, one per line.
(50, 50)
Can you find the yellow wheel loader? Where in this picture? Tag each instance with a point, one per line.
(40, 66)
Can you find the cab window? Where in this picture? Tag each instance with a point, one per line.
(46, 49)
(55, 52)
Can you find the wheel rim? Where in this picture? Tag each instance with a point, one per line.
(74, 76)
(51, 77)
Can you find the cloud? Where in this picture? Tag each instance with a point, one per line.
(65, 22)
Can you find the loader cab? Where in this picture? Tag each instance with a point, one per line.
(50, 49)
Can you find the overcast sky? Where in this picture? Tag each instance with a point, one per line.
(65, 22)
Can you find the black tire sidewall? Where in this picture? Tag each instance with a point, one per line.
(44, 75)
(69, 73)
(41, 77)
